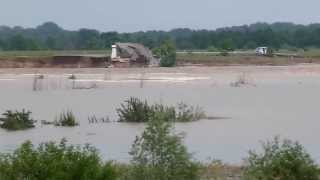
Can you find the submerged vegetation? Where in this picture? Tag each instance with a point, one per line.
(16, 120)
(66, 119)
(136, 110)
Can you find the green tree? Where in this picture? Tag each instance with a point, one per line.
(227, 44)
(158, 154)
(19, 42)
(89, 39)
(167, 54)
(285, 160)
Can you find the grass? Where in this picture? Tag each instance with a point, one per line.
(137, 110)
(217, 60)
(66, 119)
(16, 120)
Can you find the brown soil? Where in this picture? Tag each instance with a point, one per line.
(182, 60)
(54, 62)
(242, 60)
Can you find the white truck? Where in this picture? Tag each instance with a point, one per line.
(262, 51)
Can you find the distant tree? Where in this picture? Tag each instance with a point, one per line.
(18, 42)
(51, 43)
(167, 54)
(227, 44)
(88, 39)
(3, 45)
(50, 36)
(109, 38)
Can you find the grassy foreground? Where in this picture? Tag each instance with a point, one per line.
(157, 154)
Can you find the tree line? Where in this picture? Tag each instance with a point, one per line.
(50, 36)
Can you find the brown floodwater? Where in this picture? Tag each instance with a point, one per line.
(272, 103)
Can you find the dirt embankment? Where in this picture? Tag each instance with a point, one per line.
(182, 60)
(209, 60)
(54, 62)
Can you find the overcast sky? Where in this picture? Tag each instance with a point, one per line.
(135, 15)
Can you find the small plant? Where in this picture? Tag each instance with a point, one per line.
(17, 120)
(72, 77)
(66, 119)
(134, 110)
(189, 113)
(36, 86)
(242, 80)
(286, 160)
(94, 120)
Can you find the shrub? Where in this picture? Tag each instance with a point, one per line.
(159, 154)
(50, 161)
(224, 53)
(167, 54)
(136, 110)
(285, 160)
(66, 119)
(17, 120)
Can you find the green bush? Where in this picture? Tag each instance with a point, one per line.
(285, 160)
(66, 119)
(158, 154)
(136, 110)
(17, 120)
(51, 161)
(167, 54)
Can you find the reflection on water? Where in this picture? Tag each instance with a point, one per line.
(288, 107)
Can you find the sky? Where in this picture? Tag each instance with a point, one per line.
(141, 15)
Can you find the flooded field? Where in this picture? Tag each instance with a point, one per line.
(273, 101)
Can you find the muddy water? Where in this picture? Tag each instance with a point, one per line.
(286, 105)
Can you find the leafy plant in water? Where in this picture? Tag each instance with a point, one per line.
(66, 119)
(134, 110)
(189, 113)
(17, 120)
(286, 160)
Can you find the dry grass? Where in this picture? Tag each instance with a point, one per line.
(214, 60)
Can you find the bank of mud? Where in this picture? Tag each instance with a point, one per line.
(182, 60)
(54, 62)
